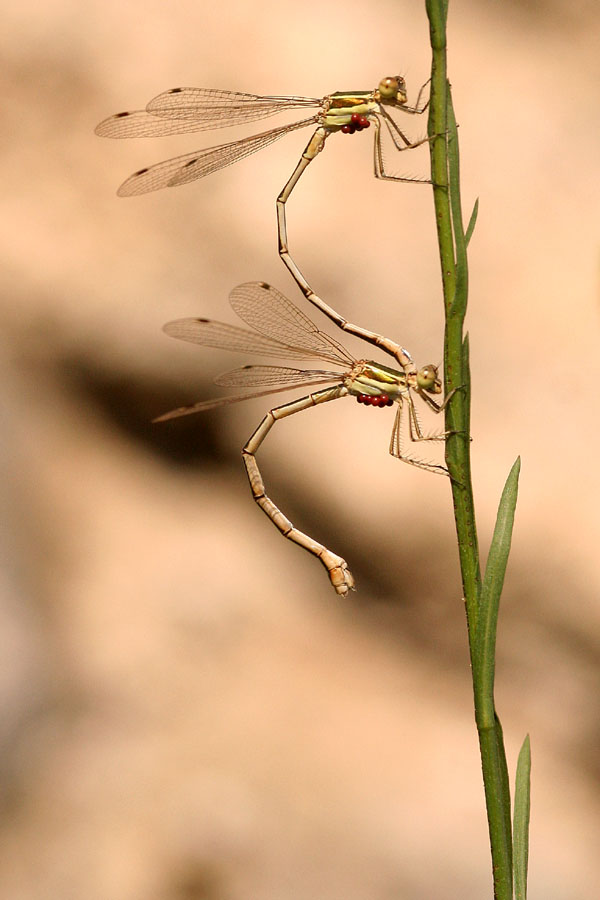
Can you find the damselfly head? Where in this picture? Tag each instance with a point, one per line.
(392, 90)
(427, 379)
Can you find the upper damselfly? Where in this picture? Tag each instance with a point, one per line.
(183, 110)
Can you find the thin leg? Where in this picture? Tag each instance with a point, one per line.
(396, 440)
(416, 431)
(337, 568)
(414, 425)
(436, 408)
(378, 161)
(433, 404)
(417, 109)
(396, 132)
(315, 145)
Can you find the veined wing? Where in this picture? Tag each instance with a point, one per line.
(190, 166)
(139, 123)
(265, 309)
(252, 376)
(205, 405)
(209, 333)
(186, 110)
(213, 108)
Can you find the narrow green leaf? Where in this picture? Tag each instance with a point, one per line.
(493, 580)
(465, 378)
(472, 221)
(458, 307)
(521, 820)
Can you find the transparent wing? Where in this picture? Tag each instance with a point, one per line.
(213, 108)
(265, 309)
(205, 405)
(186, 110)
(139, 123)
(190, 166)
(209, 333)
(252, 376)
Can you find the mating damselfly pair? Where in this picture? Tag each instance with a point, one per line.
(279, 327)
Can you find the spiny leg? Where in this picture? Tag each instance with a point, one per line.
(417, 109)
(314, 146)
(378, 161)
(396, 132)
(414, 425)
(437, 408)
(337, 568)
(396, 441)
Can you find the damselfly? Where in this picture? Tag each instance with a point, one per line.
(281, 329)
(183, 110)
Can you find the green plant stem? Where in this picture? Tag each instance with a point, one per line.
(453, 257)
(455, 287)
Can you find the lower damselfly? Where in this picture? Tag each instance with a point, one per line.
(282, 330)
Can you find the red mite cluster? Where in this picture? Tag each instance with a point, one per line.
(357, 123)
(377, 400)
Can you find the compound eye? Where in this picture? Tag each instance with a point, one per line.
(388, 88)
(427, 379)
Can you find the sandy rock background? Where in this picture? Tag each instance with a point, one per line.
(188, 711)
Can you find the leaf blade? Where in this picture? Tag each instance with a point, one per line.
(521, 820)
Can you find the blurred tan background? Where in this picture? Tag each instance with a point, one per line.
(188, 711)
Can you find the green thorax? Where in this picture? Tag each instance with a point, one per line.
(373, 379)
(341, 106)
(350, 98)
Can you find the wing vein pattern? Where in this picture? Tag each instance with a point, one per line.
(191, 166)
